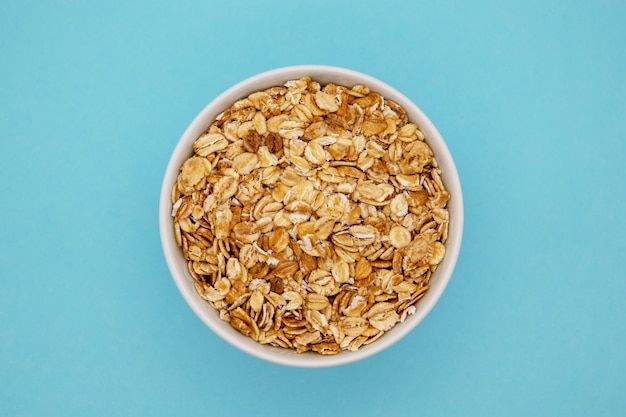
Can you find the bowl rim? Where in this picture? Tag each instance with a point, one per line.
(182, 150)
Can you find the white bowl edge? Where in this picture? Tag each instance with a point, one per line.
(177, 265)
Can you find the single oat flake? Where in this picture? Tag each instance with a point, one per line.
(311, 216)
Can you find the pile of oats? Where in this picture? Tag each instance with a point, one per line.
(312, 217)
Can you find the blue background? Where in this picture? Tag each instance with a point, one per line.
(529, 95)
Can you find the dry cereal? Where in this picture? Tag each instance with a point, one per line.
(312, 216)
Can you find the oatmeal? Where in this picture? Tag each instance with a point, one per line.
(312, 216)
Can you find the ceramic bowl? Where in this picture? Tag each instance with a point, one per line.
(178, 265)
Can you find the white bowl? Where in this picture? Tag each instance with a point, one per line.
(178, 265)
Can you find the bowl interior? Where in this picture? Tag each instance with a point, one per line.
(178, 265)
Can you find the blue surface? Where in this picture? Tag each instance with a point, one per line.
(530, 96)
